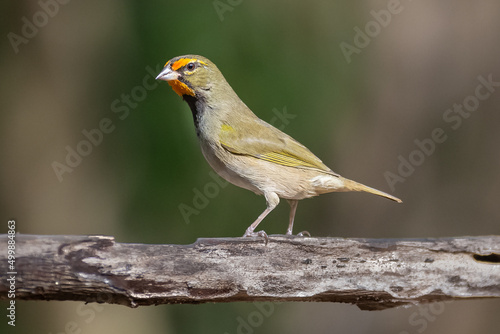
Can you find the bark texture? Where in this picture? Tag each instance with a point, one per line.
(373, 274)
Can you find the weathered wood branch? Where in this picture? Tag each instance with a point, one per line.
(371, 273)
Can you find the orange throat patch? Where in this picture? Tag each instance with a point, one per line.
(180, 88)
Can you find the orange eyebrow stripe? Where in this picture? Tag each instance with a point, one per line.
(181, 62)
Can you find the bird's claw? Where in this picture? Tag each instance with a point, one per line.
(261, 234)
(301, 234)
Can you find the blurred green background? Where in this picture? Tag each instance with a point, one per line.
(358, 113)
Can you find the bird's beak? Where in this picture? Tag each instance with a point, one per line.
(167, 74)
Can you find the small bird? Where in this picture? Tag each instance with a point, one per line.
(245, 150)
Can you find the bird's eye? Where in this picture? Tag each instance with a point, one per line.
(190, 66)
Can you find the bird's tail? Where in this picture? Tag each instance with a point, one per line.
(350, 185)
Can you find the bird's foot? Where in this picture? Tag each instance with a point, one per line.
(261, 234)
(301, 234)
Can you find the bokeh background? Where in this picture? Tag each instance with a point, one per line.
(358, 113)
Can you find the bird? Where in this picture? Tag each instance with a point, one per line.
(247, 151)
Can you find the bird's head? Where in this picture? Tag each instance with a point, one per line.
(191, 75)
(200, 83)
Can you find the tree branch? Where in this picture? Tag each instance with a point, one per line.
(374, 274)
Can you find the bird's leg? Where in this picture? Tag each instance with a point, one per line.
(250, 230)
(272, 200)
(293, 208)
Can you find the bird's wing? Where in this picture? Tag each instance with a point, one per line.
(263, 141)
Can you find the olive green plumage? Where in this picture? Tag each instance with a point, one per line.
(244, 149)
